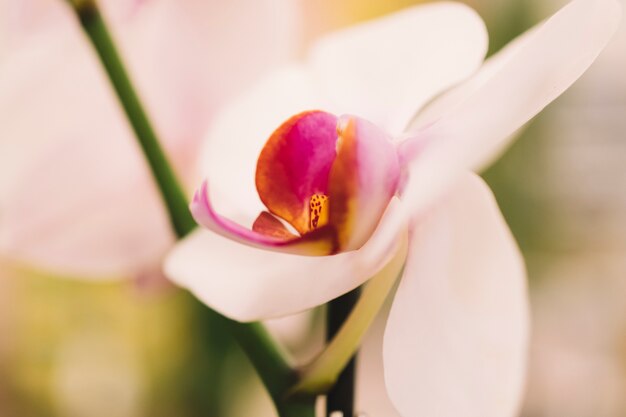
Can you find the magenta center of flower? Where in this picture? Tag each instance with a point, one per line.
(294, 167)
(330, 178)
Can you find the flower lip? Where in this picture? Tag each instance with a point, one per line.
(295, 165)
(330, 178)
(343, 174)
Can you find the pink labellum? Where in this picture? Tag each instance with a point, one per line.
(318, 242)
(330, 178)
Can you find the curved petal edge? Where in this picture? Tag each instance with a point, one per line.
(456, 338)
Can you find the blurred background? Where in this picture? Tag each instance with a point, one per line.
(140, 347)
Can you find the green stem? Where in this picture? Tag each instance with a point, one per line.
(298, 408)
(277, 375)
(171, 191)
(323, 372)
(266, 356)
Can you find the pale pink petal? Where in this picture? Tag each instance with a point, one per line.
(84, 161)
(78, 199)
(510, 90)
(295, 164)
(15, 74)
(386, 69)
(170, 47)
(27, 21)
(456, 339)
(446, 102)
(69, 218)
(248, 284)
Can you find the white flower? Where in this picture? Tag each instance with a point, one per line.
(455, 341)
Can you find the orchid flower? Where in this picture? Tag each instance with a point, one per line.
(76, 197)
(338, 195)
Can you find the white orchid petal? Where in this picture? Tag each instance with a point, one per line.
(67, 218)
(246, 283)
(471, 126)
(446, 102)
(21, 71)
(456, 339)
(76, 198)
(371, 395)
(386, 69)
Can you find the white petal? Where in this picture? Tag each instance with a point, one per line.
(371, 395)
(475, 121)
(385, 70)
(69, 214)
(16, 75)
(456, 339)
(239, 132)
(446, 103)
(246, 283)
(76, 197)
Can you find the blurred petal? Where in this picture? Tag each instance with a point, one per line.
(294, 165)
(25, 21)
(68, 217)
(80, 157)
(386, 69)
(446, 102)
(15, 74)
(455, 342)
(363, 179)
(520, 83)
(317, 242)
(270, 284)
(169, 44)
(176, 48)
(240, 131)
(76, 196)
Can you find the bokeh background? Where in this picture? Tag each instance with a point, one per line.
(144, 348)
